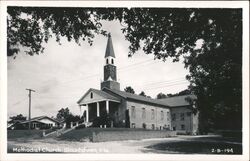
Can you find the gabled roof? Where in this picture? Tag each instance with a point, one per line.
(177, 101)
(101, 93)
(27, 121)
(42, 117)
(136, 97)
(109, 48)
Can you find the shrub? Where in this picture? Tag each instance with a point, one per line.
(102, 120)
(19, 126)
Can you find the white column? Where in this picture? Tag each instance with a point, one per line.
(87, 113)
(107, 106)
(80, 107)
(98, 109)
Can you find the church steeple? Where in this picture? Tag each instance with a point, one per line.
(110, 77)
(109, 48)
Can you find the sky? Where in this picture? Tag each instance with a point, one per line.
(63, 73)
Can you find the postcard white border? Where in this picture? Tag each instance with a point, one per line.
(179, 4)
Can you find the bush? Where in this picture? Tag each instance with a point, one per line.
(19, 126)
(103, 120)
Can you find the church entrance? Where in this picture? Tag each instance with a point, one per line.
(103, 114)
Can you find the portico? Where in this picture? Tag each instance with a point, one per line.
(97, 103)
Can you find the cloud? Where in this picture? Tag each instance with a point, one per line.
(48, 86)
(43, 109)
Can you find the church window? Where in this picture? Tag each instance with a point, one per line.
(153, 126)
(168, 116)
(143, 113)
(107, 61)
(133, 114)
(162, 115)
(112, 61)
(173, 117)
(91, 95)
(182, 117)
(182, 127)
(152, 114)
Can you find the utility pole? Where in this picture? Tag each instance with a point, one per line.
(30, 90)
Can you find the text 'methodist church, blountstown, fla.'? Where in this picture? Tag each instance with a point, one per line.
(135, 111)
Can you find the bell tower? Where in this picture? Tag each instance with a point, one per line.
(110, 76)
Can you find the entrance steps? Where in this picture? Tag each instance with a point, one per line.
(64, 130)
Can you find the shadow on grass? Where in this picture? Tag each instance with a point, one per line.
(207, 145)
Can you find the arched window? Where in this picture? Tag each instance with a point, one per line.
(112, 61)
(107, 61)
(91, 95)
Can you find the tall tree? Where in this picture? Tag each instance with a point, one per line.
(143, 94)
(161, 95)
(129, 89)
(30, 27)
(63, 113)
(209, 41)
(19, 117)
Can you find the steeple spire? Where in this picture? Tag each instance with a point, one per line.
(110, 68)
(109, 48)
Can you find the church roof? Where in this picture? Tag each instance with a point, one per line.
(135, 97)
(113, 94)
(109, 48)
(177, 101)
(103, 94)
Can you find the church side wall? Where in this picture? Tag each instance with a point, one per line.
(120, 120)
(143, 115)
(183, 120)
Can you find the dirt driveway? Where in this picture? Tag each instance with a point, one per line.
(50, 145)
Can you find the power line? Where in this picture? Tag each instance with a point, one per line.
(53, 98)
(162, 82)
(98, 74)
(18, 102)
(167, 85)
(136, 64)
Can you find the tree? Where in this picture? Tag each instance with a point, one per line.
(215, 66)
(209, 40)
(19, 117)
(30, 27)
(184, 92)
(161, 95)
(129, 89)
(181, 93)
(71, 118)
(143, 94)
(67, 116)
(63, 113)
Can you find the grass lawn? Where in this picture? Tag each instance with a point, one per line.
(26, 134)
